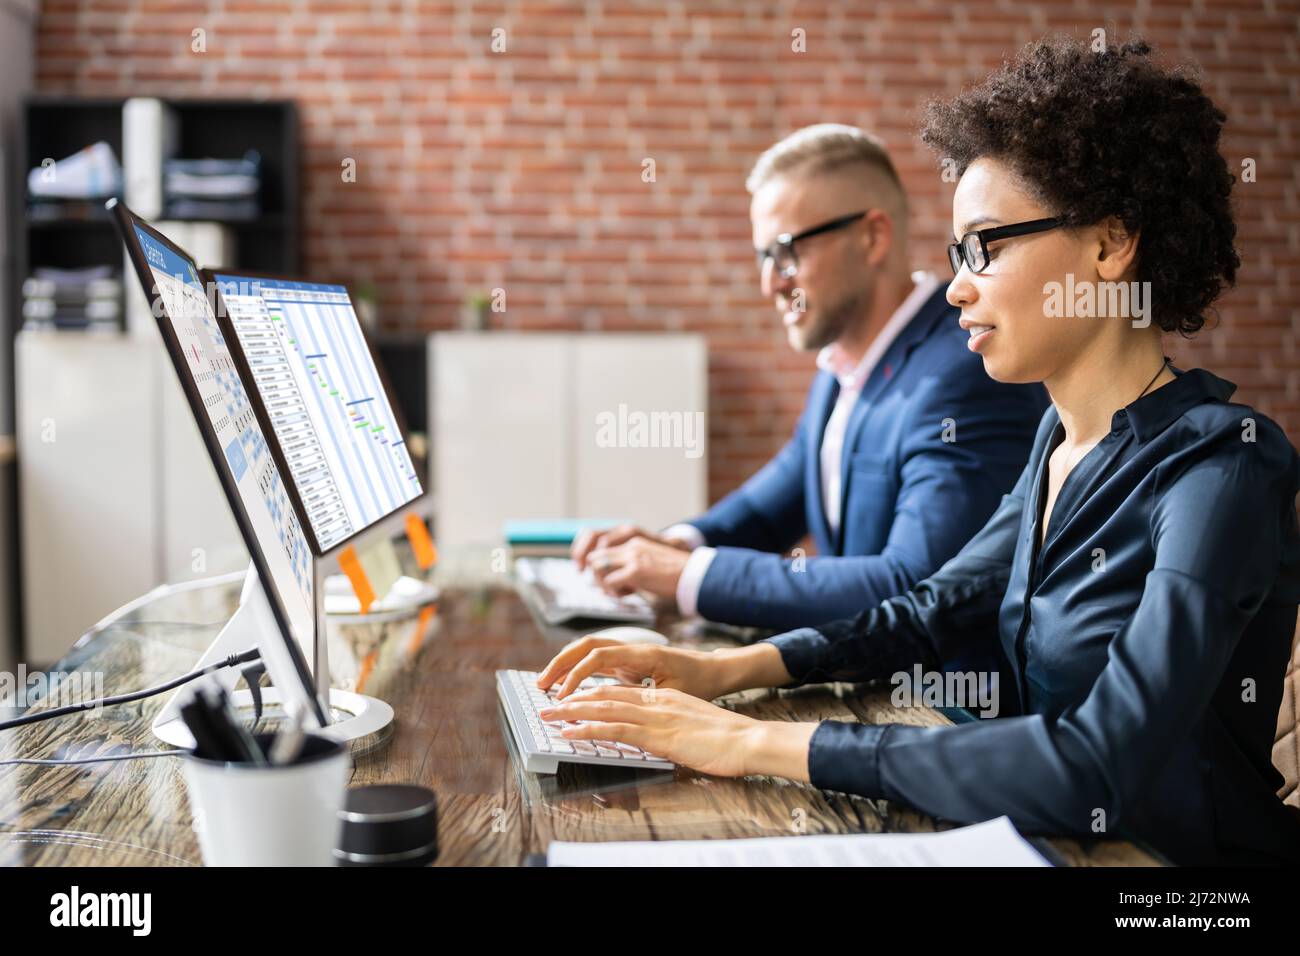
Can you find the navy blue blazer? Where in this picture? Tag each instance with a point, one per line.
(932, 445)
(1147, 638)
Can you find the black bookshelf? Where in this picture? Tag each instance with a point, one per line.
(226, 129)
(83, 236)
(80, 234)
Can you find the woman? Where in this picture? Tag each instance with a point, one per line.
(1152, 534)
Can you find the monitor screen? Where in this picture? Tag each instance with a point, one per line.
(325, 399)
(246, 457)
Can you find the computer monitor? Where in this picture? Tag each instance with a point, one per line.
(282, 580)
(338, 435)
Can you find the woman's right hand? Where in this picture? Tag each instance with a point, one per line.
(702, 674)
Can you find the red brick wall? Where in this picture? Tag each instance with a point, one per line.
(522, 170)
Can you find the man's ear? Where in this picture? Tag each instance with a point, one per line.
(1117, 257)
(878, 236)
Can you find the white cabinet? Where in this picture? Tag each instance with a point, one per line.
(197, 534)
(116, 493)
(659, 385)
(542, 425)
(87, 485)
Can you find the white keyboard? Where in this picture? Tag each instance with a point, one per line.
(540, 744)
(562, 593)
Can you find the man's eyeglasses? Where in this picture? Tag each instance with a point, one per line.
(785, 262)
(973, 248)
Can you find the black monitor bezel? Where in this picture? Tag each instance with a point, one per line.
(227, 326)
(125, 220)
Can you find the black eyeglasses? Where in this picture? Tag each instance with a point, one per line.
(973, 247)
(781, 252)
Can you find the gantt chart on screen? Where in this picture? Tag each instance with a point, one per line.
(328, 407)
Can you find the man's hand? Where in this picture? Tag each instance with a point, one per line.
(589, 540)
(639, 564)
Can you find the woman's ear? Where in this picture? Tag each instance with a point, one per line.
(1118, 255)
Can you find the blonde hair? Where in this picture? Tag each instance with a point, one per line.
(825, 148)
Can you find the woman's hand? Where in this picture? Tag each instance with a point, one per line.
(703, 674)
(677, 668)
(686, 730)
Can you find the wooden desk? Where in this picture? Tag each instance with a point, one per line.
(448, 736)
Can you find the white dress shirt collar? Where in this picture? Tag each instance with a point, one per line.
(852, 377)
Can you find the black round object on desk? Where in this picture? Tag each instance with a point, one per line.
(388, 824)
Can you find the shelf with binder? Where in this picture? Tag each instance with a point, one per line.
(62, 230)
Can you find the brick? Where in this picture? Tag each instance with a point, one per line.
(525, 172)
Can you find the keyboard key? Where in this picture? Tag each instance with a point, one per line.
(546, 737)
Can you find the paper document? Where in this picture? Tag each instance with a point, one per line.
(992, 843)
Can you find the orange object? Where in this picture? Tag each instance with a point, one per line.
(351, 566)
(421, 543)
(367, 666)
(421, 629)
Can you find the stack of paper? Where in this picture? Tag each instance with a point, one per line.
(993, 843)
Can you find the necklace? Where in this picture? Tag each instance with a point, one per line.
(1070, 463)
(1153, 378)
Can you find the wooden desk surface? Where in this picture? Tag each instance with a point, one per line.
(448, 736)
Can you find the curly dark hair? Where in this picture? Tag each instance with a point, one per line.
(1110, 134)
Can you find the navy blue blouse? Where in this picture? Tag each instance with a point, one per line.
(1146, 642)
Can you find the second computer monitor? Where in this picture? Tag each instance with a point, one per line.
(326, 400)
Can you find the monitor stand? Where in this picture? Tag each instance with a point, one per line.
(352, 717)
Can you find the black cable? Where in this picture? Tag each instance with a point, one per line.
(233, 660)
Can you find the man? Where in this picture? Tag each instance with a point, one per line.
(905, 445)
